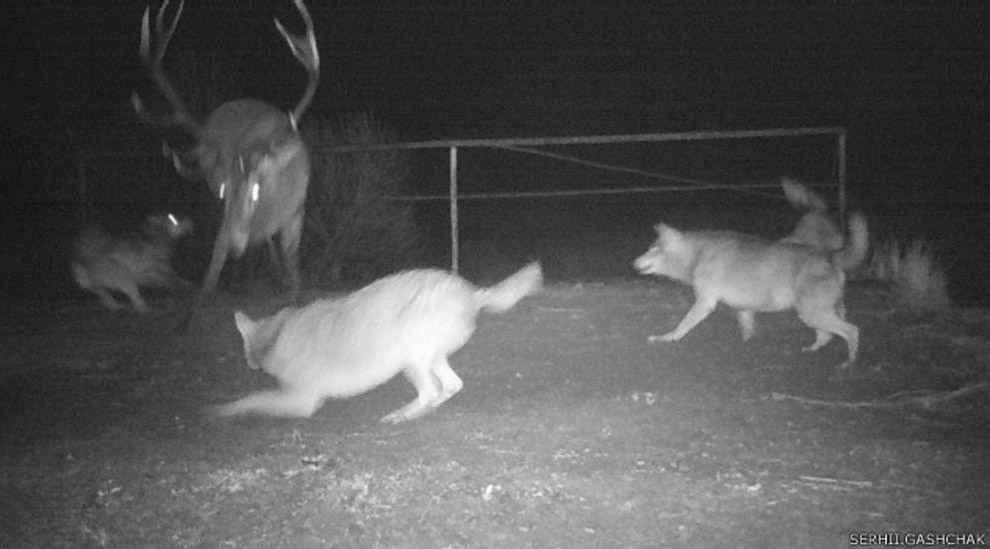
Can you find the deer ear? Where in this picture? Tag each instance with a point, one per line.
(278, 156)
(282, 139)
(194, 164)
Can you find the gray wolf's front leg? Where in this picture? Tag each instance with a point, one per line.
(698, 312)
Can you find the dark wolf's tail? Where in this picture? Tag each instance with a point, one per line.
(507, 293)
(854, 252)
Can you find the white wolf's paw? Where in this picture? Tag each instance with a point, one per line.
(394, 417)
(665, 338)
(411, 411)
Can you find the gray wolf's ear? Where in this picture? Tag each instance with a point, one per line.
(244, 324)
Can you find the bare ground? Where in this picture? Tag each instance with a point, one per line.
(571, 431)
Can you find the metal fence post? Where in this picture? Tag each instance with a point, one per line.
(842, 173)
(83, 199)
(454, 245)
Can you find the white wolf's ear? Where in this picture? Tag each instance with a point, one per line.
(666, 231)
(668, 236)
(244, 324)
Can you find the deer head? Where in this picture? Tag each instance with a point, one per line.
(249, 153)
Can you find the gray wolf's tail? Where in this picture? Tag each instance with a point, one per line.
(858, 244)
(801, 197)
(507, 293)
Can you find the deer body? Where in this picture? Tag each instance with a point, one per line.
(261, 184)
(249, 153)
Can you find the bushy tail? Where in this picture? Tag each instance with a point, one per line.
(801, 197)
(507, 293)
(858, 244)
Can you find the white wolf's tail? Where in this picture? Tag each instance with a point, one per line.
(801, 197)
(854, 252)
(507, 293)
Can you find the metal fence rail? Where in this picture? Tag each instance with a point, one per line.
(520, 144)
(529, 145)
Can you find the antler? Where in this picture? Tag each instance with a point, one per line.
(304, 49)
(153, 62)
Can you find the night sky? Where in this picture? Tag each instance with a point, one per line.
(910, 82)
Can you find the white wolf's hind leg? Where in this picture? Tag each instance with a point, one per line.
(421, 376)
(821, 339)
(450, 383)
(746, 324)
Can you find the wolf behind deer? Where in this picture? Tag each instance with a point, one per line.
(248, 151)
(102, 263)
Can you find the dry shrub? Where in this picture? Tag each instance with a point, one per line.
(352, 231)
(918, 279)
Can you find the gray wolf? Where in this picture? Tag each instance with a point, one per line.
(408, 322)
(102, 263)
(816, 228)
(751, 275)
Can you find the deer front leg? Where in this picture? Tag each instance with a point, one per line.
(289, 240)
(217, 260)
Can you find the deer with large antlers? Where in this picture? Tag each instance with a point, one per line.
(249, 152)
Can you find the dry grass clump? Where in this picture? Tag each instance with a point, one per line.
(913, 269)
(354, 229)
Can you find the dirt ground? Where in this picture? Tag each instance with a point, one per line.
(571, 431)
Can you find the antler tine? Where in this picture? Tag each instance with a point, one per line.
(305, 50)
(301, 6)
(153, 62)
(144, 50)
(162, 36)
(166, 36)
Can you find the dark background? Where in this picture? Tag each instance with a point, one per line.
(909, 80)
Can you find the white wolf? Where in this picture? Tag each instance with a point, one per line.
(816, 228)
(409, 322)
(753, 275)
(102, 263)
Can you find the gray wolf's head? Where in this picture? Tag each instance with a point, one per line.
(670, 255)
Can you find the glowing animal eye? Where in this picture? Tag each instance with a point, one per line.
(223, 189)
